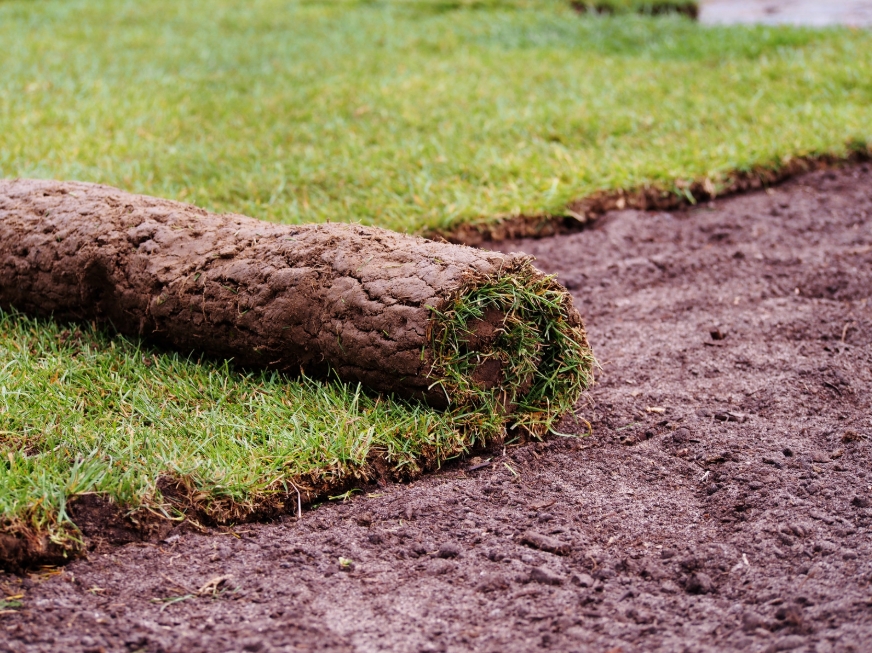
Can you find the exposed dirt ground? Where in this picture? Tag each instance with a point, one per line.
(722, 503)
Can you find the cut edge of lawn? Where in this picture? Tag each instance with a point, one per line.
(95, 520)
(679, 195)
(562, 368)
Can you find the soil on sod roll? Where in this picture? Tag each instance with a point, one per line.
(400, 314)
(722, 502)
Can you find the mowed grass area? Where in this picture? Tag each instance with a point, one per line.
(413, 115)
(410, 115)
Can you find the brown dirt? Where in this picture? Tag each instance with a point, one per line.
(347, 298)
(722, 503)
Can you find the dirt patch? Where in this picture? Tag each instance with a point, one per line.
(722, 503)
(20, 547)
(103, 524)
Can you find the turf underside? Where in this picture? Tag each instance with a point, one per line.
(413, 115)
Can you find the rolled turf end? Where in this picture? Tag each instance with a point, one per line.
(531, 369)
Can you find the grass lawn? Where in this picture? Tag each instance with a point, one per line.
(413, 115)
(410, 115)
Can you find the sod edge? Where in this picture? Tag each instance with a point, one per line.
(680, 195)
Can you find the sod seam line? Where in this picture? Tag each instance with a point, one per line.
(681, 195)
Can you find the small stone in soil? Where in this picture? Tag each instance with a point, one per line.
(375, 538)
(669, 587)
(545, 543)
(583, 580)
(492, 582)
(545, 576)
(752, 621)
(681, 435)
(790, 642)
(700, 583)
(494, 555)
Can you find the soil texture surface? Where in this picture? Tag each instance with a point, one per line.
(721, 503)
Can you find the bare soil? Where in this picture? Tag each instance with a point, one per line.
(723, 501)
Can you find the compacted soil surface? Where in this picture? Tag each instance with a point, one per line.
(722, 501)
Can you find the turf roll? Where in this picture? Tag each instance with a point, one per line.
(483, 334)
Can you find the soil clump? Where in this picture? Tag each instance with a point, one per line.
(723, 501)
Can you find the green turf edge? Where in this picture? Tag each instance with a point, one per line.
(218, 445)
(542, 338)
(677, 195)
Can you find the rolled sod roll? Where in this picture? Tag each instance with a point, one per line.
(452, 325)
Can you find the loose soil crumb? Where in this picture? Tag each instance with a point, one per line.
(722, 502)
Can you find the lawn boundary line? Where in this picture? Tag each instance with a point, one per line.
(580, 214)
(95, 520)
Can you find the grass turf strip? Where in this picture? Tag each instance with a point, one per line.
(411, 115)
(82, 412)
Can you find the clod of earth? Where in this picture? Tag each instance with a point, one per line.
(484, 334)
